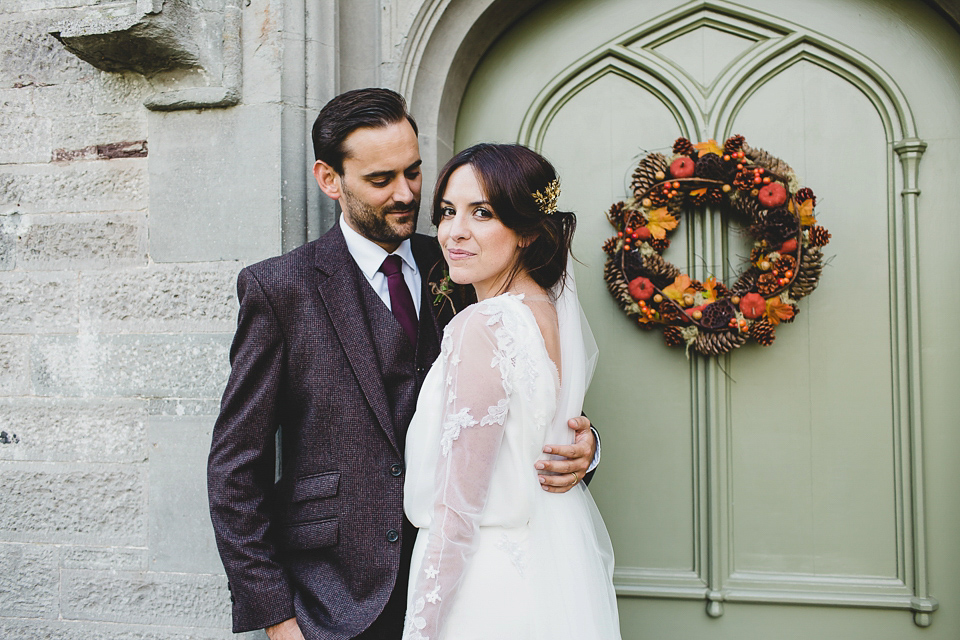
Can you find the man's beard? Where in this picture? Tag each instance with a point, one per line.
(371, 222)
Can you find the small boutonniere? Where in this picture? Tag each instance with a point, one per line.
(442, 291)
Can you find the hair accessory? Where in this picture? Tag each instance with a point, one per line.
(548, 201)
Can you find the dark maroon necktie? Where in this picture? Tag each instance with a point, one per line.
(401, 302)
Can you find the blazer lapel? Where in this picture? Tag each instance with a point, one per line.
(342, 297)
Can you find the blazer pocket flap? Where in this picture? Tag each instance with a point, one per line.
(322, 485)
(312, 535)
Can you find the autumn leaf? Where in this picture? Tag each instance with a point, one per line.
(710, 146)
(710, 289)
(680, 286)
(778, 310)
(659, 222)
(698, 192)
(804, 211)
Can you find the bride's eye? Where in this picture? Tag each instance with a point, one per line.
(484, 214)
(447, 212)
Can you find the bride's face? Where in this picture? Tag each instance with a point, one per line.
(479, 249)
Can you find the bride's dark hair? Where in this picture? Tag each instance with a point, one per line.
(509, 174)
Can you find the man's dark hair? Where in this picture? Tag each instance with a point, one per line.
(351, 111)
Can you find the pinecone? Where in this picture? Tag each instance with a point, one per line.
(645, 176)
(749, 209)
(745, 283)
(714, 195)
(696, 285)
(709, 166)
(819, 236)
(658, 198)
(610, 246)
(673, 336)
(784, 264)
(616, 215)
(718, 343)
(769, 162)
(659, 244)
(617, 285)
(808, 273)
(763, 332)
(767, 284)
(659, 268)
(733, 144)
(671, 313)
(744, 180)
(805, 194)
(683, 147)
(757, 254)
(777, 225)
(721, 290)
(675, 206)
(717, 315)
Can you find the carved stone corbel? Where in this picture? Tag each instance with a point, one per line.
(154, 37)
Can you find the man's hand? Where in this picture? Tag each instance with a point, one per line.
(557, 476)
(286, 630)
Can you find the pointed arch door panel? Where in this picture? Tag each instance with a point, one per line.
(791, 474)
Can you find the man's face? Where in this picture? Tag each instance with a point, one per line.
(381, 182)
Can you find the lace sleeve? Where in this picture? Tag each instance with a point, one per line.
(476, 401)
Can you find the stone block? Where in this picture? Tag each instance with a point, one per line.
(14, 365)
(176, 599)
(180, 531)
(8, 241)
(63, 503)
(29, 581)
(101, 185)
(227, 200)
(27, 629)
(32, 302)
(24, 138)
(73, 430)
(82, 241)
(104, 558)
(183, 406)
(162, 298)
(29, 55)
(131, 365)
(77, 132)
(99, 93)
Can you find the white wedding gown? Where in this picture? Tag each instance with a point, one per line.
(496, 556)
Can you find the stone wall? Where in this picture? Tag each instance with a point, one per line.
(111, 363)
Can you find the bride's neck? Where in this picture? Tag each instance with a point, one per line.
(522, 283)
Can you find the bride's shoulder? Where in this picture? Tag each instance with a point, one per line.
(503, 310)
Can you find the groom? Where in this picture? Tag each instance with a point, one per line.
(333, 342)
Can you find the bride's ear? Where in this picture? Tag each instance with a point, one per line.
(527, 240)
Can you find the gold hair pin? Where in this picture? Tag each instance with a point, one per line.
(548, 201)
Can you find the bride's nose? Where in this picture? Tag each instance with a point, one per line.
(459, 228)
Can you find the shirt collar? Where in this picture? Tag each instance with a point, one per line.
(369, 255)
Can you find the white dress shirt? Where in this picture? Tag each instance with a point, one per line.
(369, 256)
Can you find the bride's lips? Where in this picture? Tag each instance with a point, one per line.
(459, 254)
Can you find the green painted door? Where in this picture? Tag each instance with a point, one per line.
(806, 489)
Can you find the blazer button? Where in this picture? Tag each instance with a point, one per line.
(392, 535)
(396, 470)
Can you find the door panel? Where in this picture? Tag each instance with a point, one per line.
(738, 488)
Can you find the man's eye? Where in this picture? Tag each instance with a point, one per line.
(413, 175)
(380, 183)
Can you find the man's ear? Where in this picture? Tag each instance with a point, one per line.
(328, 179)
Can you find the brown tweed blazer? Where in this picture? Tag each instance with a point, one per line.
(315, 358)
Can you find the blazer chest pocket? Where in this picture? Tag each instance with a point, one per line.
(312, 521)
(321, 485)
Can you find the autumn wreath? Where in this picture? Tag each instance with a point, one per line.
(764, 193)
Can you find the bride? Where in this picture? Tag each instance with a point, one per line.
(512, 369)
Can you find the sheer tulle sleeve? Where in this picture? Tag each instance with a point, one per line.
(476, 402)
